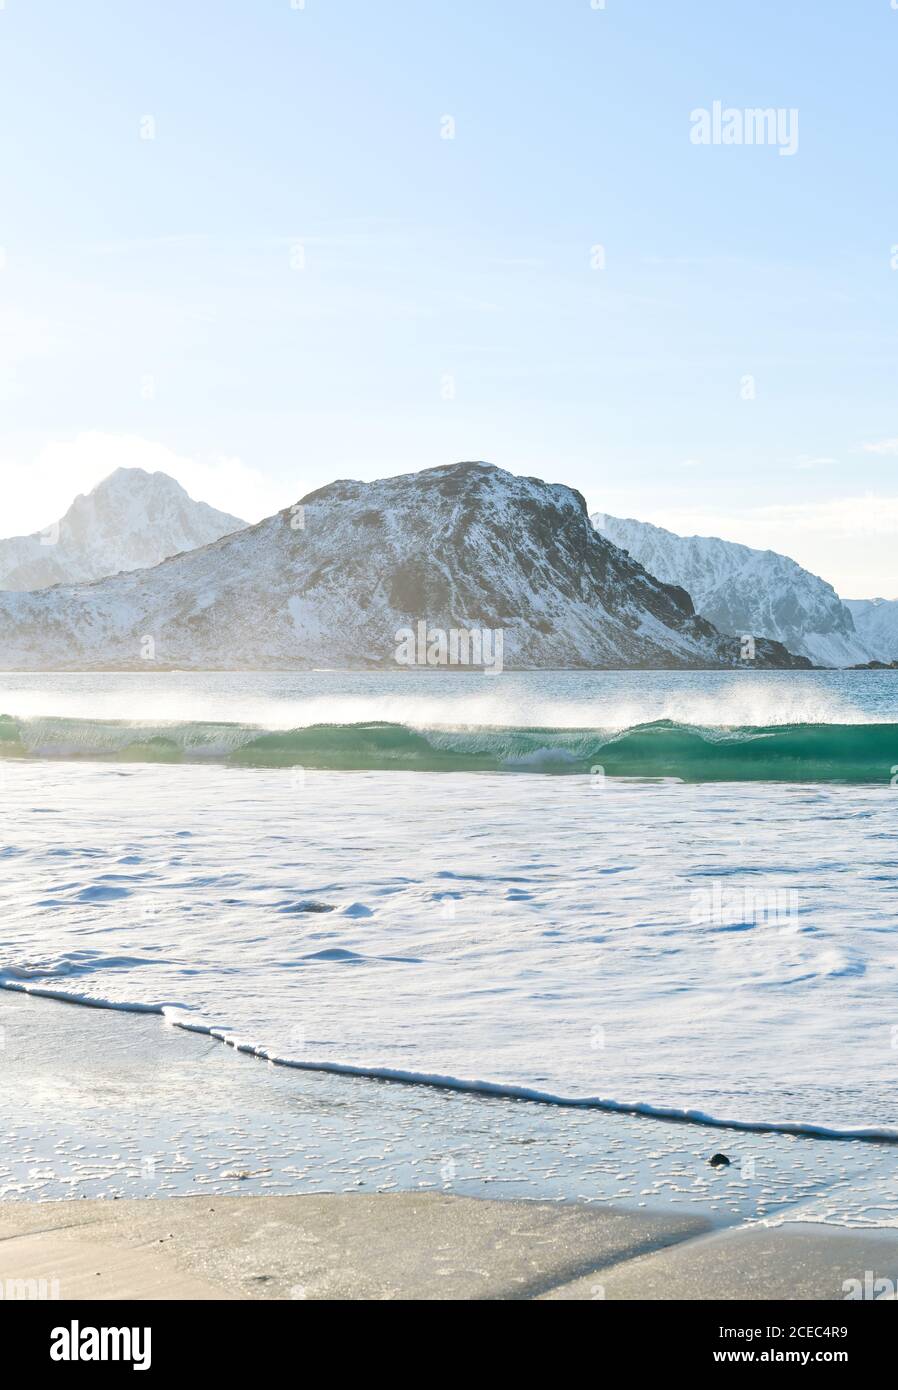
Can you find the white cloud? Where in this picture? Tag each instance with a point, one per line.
(39, 489)
(885, 447)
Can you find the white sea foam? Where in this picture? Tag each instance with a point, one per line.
(179, 1018)
(606, 700)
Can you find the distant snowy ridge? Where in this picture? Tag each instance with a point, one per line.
(332, 580)
(876, 620)
(129, 521)
(739, 589)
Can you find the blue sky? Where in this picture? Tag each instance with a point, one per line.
(297, 278)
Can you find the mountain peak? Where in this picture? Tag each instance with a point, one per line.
(130, 520)
(138, 481)
(743, 590)
(474, 481)
(462, 547)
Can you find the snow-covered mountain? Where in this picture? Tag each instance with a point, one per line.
(129, 521)
(743, 590)
(876, 621)
(331, 581)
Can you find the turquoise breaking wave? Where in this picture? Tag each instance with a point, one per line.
(856, 753)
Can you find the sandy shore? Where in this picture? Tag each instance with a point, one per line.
(404, 1246)
(190, 1171)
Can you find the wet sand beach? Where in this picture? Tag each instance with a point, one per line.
(138, 1161)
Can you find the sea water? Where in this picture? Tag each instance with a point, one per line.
(378, 874)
